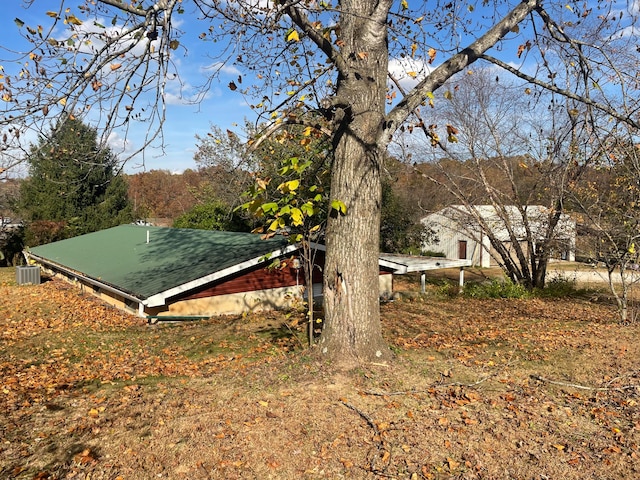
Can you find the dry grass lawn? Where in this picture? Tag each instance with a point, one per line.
(479, 389)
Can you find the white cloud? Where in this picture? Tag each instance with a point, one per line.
(219, 67)
(409, 71)
(119, 144)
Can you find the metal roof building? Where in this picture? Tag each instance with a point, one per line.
(149, 269)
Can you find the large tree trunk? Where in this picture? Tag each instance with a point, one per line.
(352, 332)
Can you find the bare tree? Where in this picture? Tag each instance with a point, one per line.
(514, 152)
(607, 200)
(334, 58)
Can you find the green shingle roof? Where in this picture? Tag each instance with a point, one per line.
(122, 258)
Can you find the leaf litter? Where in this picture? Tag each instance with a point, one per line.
(480, 389)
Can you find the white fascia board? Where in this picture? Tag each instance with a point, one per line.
(159, 299)
(398, 268)
(439, 264)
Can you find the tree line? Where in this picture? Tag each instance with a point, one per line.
(75, 186)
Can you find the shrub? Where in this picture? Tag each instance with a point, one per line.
(431, 253)
(560, 287)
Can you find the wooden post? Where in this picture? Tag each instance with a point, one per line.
(423, 282)
(461, 283)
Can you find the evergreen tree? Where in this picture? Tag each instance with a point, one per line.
(73, 181)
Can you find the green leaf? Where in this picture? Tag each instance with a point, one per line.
(269, 207)
(307, 209)
(339, 206)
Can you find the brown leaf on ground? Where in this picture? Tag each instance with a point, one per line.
(478, 389)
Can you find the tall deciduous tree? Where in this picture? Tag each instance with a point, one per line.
(73, 181)
(335, 58)
(162, 194)
(509, 151)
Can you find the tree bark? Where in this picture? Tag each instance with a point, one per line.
(352, 332)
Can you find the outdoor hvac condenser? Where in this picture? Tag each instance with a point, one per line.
(30, 274)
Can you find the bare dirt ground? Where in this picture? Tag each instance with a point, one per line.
(479, 389)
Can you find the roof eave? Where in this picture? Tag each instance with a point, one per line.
(160, 298)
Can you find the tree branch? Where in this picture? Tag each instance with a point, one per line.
(625, 118)
(126, 7)
(581, 387)
(454, 65)
(301, 20)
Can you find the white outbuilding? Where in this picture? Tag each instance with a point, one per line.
(460, 232)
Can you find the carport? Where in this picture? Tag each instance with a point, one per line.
(401, 264)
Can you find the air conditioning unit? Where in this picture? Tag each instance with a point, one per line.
(28, 274)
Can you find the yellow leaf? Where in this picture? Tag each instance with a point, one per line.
(52, 14)
(339, 206)
(263, 403)
(293, 36)
(414, 47)
(404, 4)
(297, 217)
(62, 101)
(72, 19)
(276, 224)
(93, 413)
(448, 95)
(432, 54)
(290, 186)
(412, 74)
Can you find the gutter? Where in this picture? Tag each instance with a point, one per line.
(153, 319)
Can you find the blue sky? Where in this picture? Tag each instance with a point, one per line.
(220, 107)
(185, 120)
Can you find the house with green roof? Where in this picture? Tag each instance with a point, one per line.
(159, 272)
